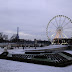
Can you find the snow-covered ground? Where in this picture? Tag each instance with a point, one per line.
(16, 51)
(68, 51)
(20, 50)
(14, 66)
(13, 51)
(47, 47)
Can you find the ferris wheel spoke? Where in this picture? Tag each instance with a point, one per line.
(61, 35)
(68, 28)
(51, 31)
(65, 35)
(57, 35)
(56, 21)
(66, 24)
(53, 24)
(63, 21)
(52, 35)
(60, 21)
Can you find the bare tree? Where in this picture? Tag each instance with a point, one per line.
(1, 35)
(13, 37)
(5, 37)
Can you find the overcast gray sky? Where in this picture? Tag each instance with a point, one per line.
(31, 16)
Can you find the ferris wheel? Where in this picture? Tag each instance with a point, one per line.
(59, 26)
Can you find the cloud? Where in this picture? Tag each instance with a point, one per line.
(23, 35)
(20, 33)
(26, 4)
(11, 32)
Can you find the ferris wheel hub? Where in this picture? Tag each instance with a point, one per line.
(59, 29)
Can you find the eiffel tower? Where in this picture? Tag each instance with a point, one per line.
(17, 36)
